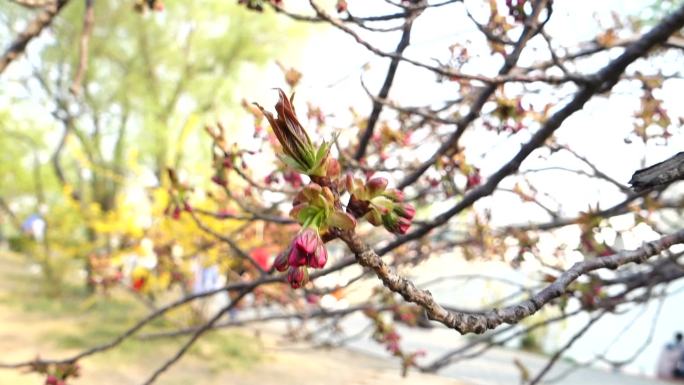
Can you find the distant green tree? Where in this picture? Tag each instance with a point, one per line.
(152, 80)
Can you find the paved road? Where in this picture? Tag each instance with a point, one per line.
(496, 367)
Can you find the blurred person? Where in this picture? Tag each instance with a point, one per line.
(34, 226)
(669, 363)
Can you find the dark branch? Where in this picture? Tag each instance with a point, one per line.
(35, 27)
(660, 174)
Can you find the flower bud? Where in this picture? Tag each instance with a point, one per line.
(219, 180)
(405, 211)
(395, 224)
(403, 225)
(307, 240)
(333, 168)
(474, 179)
(307, 249)
(319, 257)
(376, 186)
(296, 257)
(297, 276)
(341, 6)
(281, 261)
(395, 195)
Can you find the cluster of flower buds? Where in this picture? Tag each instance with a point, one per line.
(225, 157)
(315, 209)
(306, 250)
(317, 206)
(373, 201)
(57, 374)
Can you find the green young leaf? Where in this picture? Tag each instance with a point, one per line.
(307, 215)
(319, 161)
(292, 163)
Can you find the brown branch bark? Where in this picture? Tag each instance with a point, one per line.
(88, 23)
(35, 27)
(479, 323)
(33, 4)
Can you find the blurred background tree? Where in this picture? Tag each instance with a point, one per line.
(152, 80)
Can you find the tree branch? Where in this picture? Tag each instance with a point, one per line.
(660, 174)
(479, 323)
(384, 91)
(88, 23)
(34, 29)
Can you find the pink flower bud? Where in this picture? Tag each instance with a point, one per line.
(341, 6)
(474, 179)
(219, 180)
(53, 380)
(307, 249)
(296, 257)
(319, 257)
(403, 225)
(395, 195)
(307, 240)
(376, 186)
(297, 276)
(405, 211)
(281, 261)
(396, 224)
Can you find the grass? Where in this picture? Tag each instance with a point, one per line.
(75, 321)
